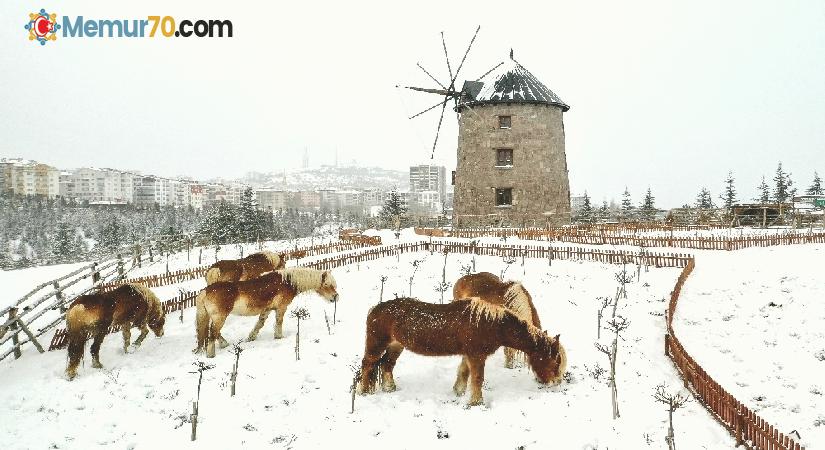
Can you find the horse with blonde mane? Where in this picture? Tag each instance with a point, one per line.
(130, 305)
(246, 268)
(256, 297)
(509, 294)
(472, 328)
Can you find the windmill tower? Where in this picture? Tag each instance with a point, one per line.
(511, 163)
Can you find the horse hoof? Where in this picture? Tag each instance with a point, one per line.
(97, 365)
(459, 390)
(197, 350)
(389, 387)
(472, 403)
(251, 338)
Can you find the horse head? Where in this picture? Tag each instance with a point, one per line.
(548, 360)
(328, 288)
(157, 322)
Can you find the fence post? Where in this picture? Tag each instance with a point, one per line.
(15, 341)
(58, 294)
(95, 274)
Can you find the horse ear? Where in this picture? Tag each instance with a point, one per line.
(324, 276)
(557, 338)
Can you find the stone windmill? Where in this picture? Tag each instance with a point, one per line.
(511, 164)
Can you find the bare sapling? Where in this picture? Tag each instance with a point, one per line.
(507, 260)
(200, 368)
(550, 255)
(355, 367)
(466, 269)
(182, 293)
(381, 293)
(616, 325)
(673, 402)
(441, 288)
(415, 264)
(299, 314)
(474, 246)
(236, 350)
(605, 302)
(326, 319)
(624, 278)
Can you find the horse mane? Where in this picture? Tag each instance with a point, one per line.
(272, 257)
(305, 279)
(154, 310)
(517, 300)
(480, 309)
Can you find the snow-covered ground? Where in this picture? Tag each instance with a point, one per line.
(142, 400)
(17, 283)
(755, 320)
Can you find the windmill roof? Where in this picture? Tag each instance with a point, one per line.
(512, 83)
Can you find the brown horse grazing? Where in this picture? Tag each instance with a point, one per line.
(256, 297)
(510, 294)
(245, 268)
(127, 306)
(470, 327)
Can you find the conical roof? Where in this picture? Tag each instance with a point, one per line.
(512, 83)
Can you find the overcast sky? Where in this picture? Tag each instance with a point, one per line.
(662, 95)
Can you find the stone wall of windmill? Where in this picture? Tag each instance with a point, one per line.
(511, 167)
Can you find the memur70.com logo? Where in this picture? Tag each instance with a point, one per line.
(44, 27)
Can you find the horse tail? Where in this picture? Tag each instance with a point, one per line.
(201, 320)
(76, 329)
(213, 275)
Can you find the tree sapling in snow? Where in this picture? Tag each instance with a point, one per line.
(299, 314)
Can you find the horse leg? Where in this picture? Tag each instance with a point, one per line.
(214, 333)
(510, 357)
(126, 329)
(261, 319)
(279, 322)
(100, 333)
(476, 365)
(387, 364)
(460, 386)
(373, 350)
(144, 330)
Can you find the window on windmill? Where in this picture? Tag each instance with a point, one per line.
(504, 157)
(504, 121)
(504, 196)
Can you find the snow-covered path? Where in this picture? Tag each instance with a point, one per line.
(754, 320)
(142, 400)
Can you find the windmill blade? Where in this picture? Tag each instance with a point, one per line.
(431, 91)
(428, 73)
(444, 44)
(438, 130)
(488, 72)
(428, 109)
(452, 80)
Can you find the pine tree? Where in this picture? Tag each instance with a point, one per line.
(704, 200)
(782, 185)
(110, 237)
(648, 205)
(604, 210)
(816, 186)
(249, 227)
(586, 212)
(393, 208)
(63, 243)
(627, 204)
(764, 192)
(729, 196)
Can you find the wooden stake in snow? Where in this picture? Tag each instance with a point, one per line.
(299, 314)
(673, 402)
(381, 294)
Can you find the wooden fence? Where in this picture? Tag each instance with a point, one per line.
(698, 242)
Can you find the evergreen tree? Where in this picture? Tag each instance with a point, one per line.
(249, 227)
(627, 204)
(764, 192)
(729, 196)
(782, 185)
(64, 242)
(393, 208)
(704, 200)
(816, 186)
(110, 237)
(648, 206)
(587, 209)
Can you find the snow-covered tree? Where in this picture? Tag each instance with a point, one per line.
(816, 186)
(587, 211)
(627, 204)
(111, 236)
(64, 243)
(249, 226)
(648, 206)
(728, 197)
(704, 200)
(782, 185)
(393, 209)
(764, 192)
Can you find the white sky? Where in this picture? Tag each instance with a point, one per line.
(662, 94)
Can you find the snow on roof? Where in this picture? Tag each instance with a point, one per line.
(512, 83)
